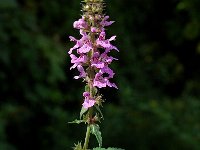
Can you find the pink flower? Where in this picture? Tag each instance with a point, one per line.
(108, 71)
(100, 61)
(80, 24)
(104, 22)
(100, 81)
(94, 29)
(95, 61)
(105, 43)
(83, 42)
(82, 72)
(82, 59)
(87, 46)
(88, 102)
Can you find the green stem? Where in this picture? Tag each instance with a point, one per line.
(87, 138)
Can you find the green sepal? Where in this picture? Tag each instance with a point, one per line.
(99, 110)
(87, 88)
(77, 121)
(77, 146)
(99, 100)
(94, 91)
(110, 148)
(86, 118)
(95, 130)
(83, 110)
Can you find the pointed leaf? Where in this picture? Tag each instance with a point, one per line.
(83, 110)
(95, 130)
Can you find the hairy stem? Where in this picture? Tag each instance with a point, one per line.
(87, 138)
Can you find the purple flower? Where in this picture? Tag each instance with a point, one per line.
(87, 46)
(83, 44)
(80, 24)
(94, 29)
(100, 61)
(105, 43)
(82, 59)
(88, 102)
(100, 81)
(82, 72)
(104, 22)
(106, 70)
(95, 61)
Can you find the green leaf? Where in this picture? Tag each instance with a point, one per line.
(83, 110)
(95, 130)
(99, 110)
(77, 121)
(110, 148)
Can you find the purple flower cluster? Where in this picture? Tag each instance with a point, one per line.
(92, 54)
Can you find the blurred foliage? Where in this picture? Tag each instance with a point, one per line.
(157, 105)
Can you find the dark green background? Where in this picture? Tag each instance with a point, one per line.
(157, 106)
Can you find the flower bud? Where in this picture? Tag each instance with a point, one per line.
(93, 7)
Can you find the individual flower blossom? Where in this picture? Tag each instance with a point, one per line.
(82, 59)
(87, 46)
(95, 61)
(107, 59)
(100, 81)
(82, 72)
(108, 71)
(80, 24)
(83, 42)
(100, 61)
(104, 22)
(88, 102)
(105, 43)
